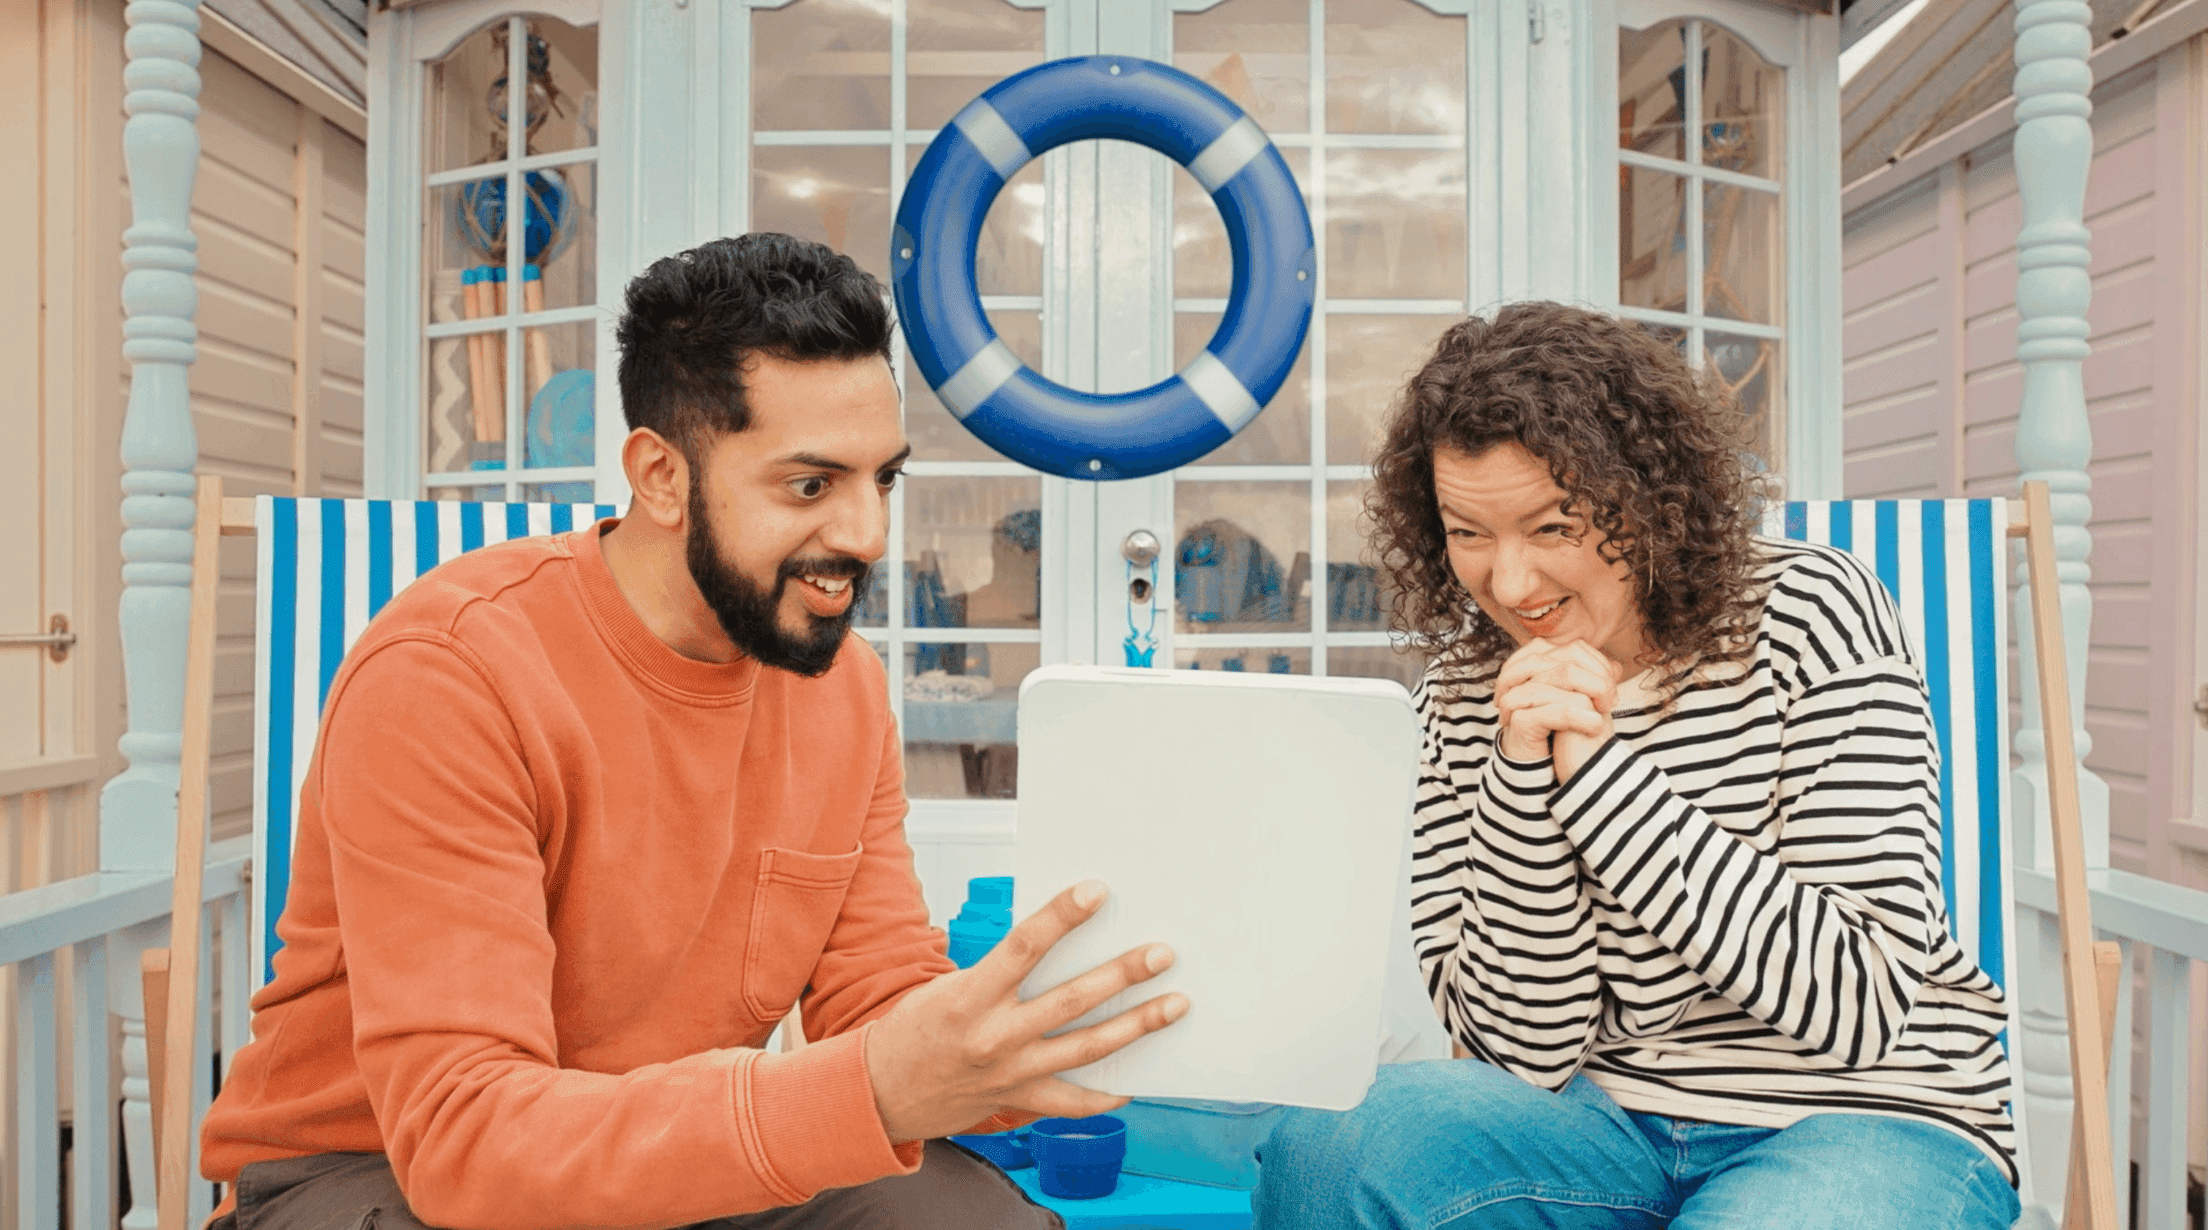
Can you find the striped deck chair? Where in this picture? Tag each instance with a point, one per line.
(326, 568)
(1945, 562)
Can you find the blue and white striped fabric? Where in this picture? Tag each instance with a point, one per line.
(1943, 560)
(326, 568)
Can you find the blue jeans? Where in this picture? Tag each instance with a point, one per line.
(1460, 1144)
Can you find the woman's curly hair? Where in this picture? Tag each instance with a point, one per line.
(1646, 450)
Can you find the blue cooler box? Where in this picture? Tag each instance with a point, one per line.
(1214, 1143)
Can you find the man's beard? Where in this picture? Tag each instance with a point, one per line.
(748, 613)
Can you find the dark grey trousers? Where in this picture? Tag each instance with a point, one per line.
(952, 1190)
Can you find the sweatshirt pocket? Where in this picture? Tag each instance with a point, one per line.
(793, 909)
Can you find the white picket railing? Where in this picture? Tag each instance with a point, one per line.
(2163, 929)
(54, 960)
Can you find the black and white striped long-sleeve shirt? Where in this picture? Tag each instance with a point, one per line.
(1733, 912)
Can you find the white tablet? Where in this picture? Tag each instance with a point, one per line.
(1257, 823)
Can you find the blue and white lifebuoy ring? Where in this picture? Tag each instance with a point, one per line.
(1044, 424)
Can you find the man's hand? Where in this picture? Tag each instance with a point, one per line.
(1555, 702)
(963, 1047)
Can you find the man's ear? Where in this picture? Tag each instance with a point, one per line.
(659, 478)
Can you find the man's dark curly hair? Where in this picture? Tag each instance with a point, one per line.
(692, 320)
(1646, 450)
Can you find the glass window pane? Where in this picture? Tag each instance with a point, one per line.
(961, 715)
(955, 49)
(1356, 599)
(562, 237)
(1203, 262)
(1750, 368)
(561, 408)
(836, 194)
(1256, 52)
(1242, 556)
(461, 128)
(973, 552)
(820, 64)
(467, 112)
(1393, 66)
(563, 85)
(466, 393)
(1008, 258)
(1652, 239)
(1652, 85)
(938, 436)
(1743, 254)
(1368, 359)
(1404, 666)
(1743, 106)
(1395, 224)
(465, 229)
(1275, 661)
(1281, 433)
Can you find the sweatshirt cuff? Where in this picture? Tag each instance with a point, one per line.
(814, 1122)
(1515, 797)
(1524, 777)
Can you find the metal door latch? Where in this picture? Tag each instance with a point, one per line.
(2200, 707)
(56, 640)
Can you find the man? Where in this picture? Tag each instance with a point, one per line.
(590, 813)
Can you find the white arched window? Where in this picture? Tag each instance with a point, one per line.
(487, 338)
(1724, 211)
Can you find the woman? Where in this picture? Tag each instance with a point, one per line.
(1677, 861)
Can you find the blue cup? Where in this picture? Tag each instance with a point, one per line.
(1078, 1159)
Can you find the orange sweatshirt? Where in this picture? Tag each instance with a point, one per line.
(553, 881)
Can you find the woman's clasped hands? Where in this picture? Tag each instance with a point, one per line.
(1555, 702)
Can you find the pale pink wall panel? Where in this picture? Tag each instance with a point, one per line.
(2120, 753)
(2122, 614)
(1887, 223)
(2123, 427)
(1911, 416)
(2121, 174)
(2117, 675)
(1990, 397)
(2123, 237)
(1989, 452)
(2123, 491)
(1913, 262)
(2123, 300)
(2123, 551)
(1931, 305)
(1990, 230)
(1990, 286)
(1895, 474)
(1989, 340)
(1916, 311)
(1920, 363)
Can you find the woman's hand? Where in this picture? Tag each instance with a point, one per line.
(1555, 702)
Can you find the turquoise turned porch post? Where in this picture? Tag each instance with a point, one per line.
(138, 807)
(2054, 442)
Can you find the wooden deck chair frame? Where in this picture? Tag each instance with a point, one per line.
(2089, 969)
